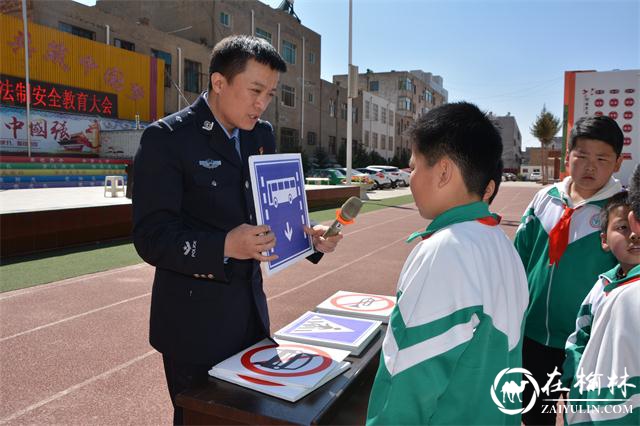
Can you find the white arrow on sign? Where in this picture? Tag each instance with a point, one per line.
(288, 232)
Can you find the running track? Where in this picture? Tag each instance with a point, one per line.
(76, 351)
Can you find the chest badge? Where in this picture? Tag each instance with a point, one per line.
(261, 150)
(210, 164)
(208, 125)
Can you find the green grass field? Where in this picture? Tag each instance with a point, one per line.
(55, 266)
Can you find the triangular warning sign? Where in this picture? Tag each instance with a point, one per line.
(317, 324)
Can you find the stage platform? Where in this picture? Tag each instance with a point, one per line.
(34, 220)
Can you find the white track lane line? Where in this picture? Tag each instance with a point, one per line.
(75, 387)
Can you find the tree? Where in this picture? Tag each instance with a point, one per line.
(544, 129)
(322, 160)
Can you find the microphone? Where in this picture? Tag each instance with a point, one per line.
(344, 216)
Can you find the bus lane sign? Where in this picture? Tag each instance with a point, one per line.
(280, 201)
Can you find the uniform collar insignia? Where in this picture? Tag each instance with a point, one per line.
(210, 164)
(208, 125)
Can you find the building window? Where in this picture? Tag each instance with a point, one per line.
(124, 44)
(192, 76)
(166, 57)
(406, 84)
(404, 103)
(390, 143)
(366, 138)
(354, 114)
(383, 141)
(288, 138)
(310, 97)
(332, 108)
(311, 138)
(289, 52)
(266, 35)
(288, 96)
(391, 118)
(374, 140)
(367, 108)
(332, 145)
(343, 110)
(225, 19)
(76, 31)
(312, 58)
(375, 112)
(383, 115)
(374, 86)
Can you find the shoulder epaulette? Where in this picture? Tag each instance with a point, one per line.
(177, 119)
(265, 124)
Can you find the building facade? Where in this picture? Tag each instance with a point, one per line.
(511, 143)
(413, 92)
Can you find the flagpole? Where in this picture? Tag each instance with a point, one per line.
(26, 73)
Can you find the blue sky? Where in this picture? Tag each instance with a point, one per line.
(503, 55)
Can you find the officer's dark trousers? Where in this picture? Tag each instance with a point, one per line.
(540, 360)
(183, 375)
(180, 377)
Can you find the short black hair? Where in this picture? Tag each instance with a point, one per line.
(634, 192)
(621, 199)
(230, 55)
(602, 128)
(497, 179)
(467, 136)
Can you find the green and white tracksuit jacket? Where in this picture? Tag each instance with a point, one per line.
(557, 286)
(603, 353)
(462, 294)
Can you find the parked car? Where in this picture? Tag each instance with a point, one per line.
(356, 176)
(535, 175)
(335, 176)
(508, 177)
(396, 176)
(380, 180)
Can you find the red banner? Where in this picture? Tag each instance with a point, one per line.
(57, 97)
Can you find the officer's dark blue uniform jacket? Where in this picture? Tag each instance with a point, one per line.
(191, 188)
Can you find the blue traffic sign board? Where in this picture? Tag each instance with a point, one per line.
(281, 203)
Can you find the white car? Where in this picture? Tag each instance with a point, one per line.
(535, 175)
(396, 175)
(380, 180)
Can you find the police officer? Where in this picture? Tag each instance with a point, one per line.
(194, 217)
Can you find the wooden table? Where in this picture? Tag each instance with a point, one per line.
(341, 401)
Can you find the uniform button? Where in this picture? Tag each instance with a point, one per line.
(246, 184)
(210, 276)
(196, 275)
(250, 216)
(214, 183)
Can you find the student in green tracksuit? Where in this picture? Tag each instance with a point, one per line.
(603, 353)
(462, 292)
(559, 243)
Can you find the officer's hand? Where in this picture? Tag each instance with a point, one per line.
(248, 242)
(324, 245)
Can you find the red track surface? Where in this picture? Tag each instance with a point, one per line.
(76, 351)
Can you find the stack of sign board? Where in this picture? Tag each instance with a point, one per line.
(282, 369)
(56, 172)
(333, 331)
(359, 305)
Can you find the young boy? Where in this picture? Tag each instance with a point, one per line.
(462, 291)
(605, 347)
(558, 241)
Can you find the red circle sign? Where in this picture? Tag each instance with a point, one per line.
(628, 115)
(250, 365)
(613, 102)
(339, 302)
(613, 115)
(628, 102)
(599, 102)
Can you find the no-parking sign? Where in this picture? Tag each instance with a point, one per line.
(281, 203)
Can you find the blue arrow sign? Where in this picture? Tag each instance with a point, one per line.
(281, 203)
